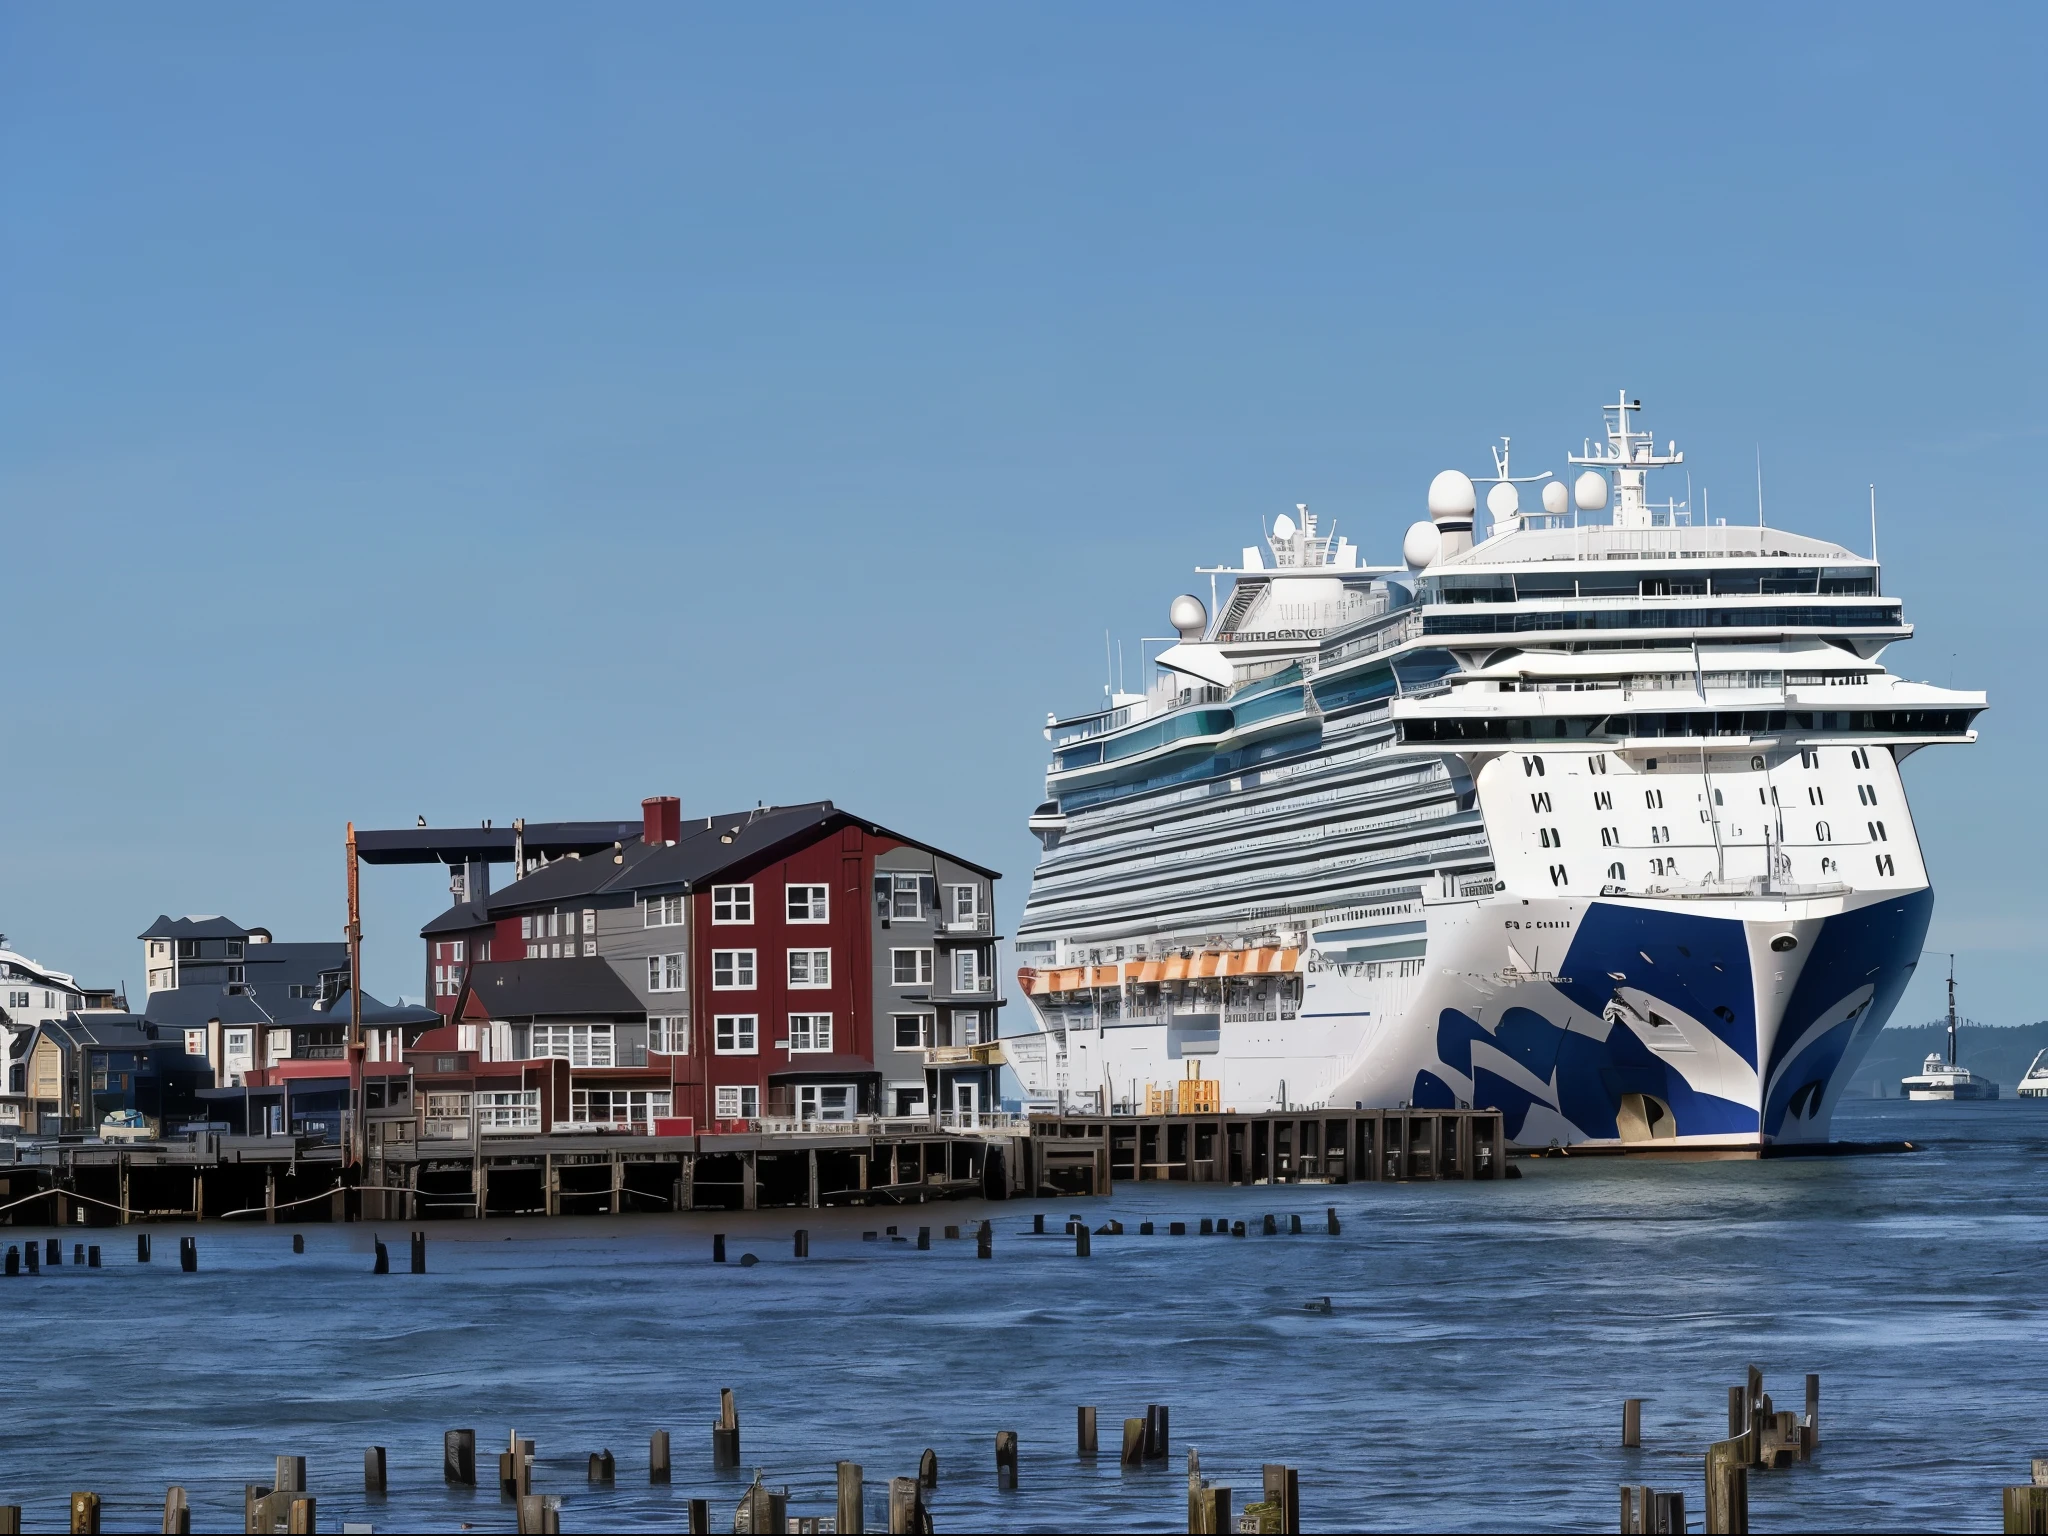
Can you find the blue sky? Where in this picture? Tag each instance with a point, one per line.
(492, 410)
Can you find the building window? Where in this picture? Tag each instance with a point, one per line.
(237, 973)
(665, 973)
(810, 967)
(158, 949)
(967, 1028)
(581, 1045)
(906, 898)
(739, 1103)
(17, 999)
(825, 1101)
(734, 1034)
(911, 967)
(668, 1034)
(590, 946)
(515, 1110)
(160, 981)
(445, 1107)
(732, 903)
(807, 904)
(810, 1032)
(589, 921)
(968, 975)
(618, 1106)
(913, 1031)
(662, 912)
(964, 903)
(234, 949)
(188, 949)
(732, 970)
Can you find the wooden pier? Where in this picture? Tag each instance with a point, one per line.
(1088, 1154)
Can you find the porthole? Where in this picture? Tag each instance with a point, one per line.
(1785, 942)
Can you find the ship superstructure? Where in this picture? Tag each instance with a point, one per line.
(1598, 823)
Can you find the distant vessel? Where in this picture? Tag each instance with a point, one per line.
(1950, 1079)
(2035, 1084)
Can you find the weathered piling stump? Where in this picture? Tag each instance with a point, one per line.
(1727, 1508)
(85, 1514)
(92, 1257)
(1282, 1487)
(419, 1253)
(657, 1457)
(603, 1468)
(1813, 1410)
(31, 1252)
(906, 1507)
(298, 1242)
(1208, 1227)
(1215, 1509)
(10, 1520)
(725, 1434)
(1006, 1459)
(1272, 1227)
(301, 1515)
(924, 1239)
(1155, 1432)
(1335, 1226)
(13, 1259)
(382, 1265)
(1038, 1223)
(985, 1240)
(540, 1514)
(851, 1514)
(1144, 1229)
(1237, 1229)
(928, 1469)
(700, 1517)
(177, 1512)
(1081, 1242)
(508, 1474)
(1631, 1422)
(2026, 1507)
(188, 1255)
(373, 1469)
(458, 1457)
(952, 1233)
(1133, 1454)
(53, 1252)
(1084, 1433)
(291, 1475)
(1294, 1223)
(78, 1254)
(801, 1246)
(718, 1247)
(1176, 1229)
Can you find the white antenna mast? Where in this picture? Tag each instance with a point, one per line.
(1759, 485)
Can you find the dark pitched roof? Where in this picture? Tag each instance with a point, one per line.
(460, 918)
(525, 989)
(166, 927)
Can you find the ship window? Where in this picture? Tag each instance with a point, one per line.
(1821, 834)
(1814, 795)
(1557, 875)
(1809, 757)
(1859, 758)
(1610, 837)
(1884, 864)
(1532, 765)
(1540, 802)
(1876, 831)
(1615, 872)
(1603, 799)
(1717, 798)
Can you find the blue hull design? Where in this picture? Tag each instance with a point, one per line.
(1855, 967)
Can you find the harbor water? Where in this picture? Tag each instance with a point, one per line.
(1468, 1375)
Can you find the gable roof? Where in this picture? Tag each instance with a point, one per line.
(213, 927)
(526, 989)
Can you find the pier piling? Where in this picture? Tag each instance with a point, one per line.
(419, 1253)
(924, 1239)
(188, 1255)
(10, 1520)
(13, 1259)
(1155, 1432)
(141, 1248)
(985, 1241)
(1282, 1488)
(1006, 1459)
(700, 1517)
(85, 1513)
(603, 1468)
(458, 1457)
(1084, 1433)
(1134, 1443)
(53, 1252)
(802, 1244)
(291, 1475)
(382, 1265)
(1631, 1422)
(1813, 1407)
(301, 1516)
(1727, 1511)
(1336, 1226)
(952, 1233)
(30, 1252)
(1038, 1223)
(725, 1434)
(1081, 1241)
(298, 1242)
(718, 1247)
(373, 1469)
(657, 1456)
(92, 1257)
(177, 1512)
(852, 1513)
(928, 1469)
(1272, 1227)
(906, 1508)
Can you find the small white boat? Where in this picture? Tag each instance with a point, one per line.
(2035, 1084)
(1949, 1079)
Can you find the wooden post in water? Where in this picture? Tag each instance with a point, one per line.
(1282, 1487)
(188, 1255)
(419, 1253)
(142, 1247)
(1006, 1459)
(906, 1508)
(928, 1469)
(1134, 1443)
(725, 1434)
(382, 1265)
(300, 1515)
(177, 1512)
(1336, 1227)
(85, 1514)
(852, 1514)
(1813, 1405)
(985, 1241)
(802, 1246)
(2026, 1508)
(10, 1520)
(1081, 1240)
(603, 1468)
(458, 1457)
(924, 1239)
(373, 1469)
(1216, 1508)
(657, 1456)
(718, 1247)
(1727, 1511)
(1155, 1432)
(1631, 1422)
(700, 1517)
(298, 1242)
(1084, 1433)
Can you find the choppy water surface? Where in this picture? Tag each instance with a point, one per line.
(1470, 1376)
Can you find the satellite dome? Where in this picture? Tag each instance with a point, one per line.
(1422, 545)
(1283, 527)
(1451, 497)
(1555, 498)
(1503, 501)
(1188, 616)
(1590, 491)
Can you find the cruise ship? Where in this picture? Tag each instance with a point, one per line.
(1593, 815)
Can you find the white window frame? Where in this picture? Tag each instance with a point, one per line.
(735, 901)
(668, 1034)
(810, 1096)
(736, 1034)
(581, 1045)
(921, 968)
(640, 1106)
(814, 1030)
(667, 973)
(927, 1027)
(967, 1026)
(662, 912)
(740, 967)
(967, 965)
(813, 906)
(963, 903)
(913, 887)
(738, 1101)
(508, 1111)
(810, 969)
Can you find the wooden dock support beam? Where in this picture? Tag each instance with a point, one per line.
(1006, 1459)
(1084, 1433)
(725, 1434)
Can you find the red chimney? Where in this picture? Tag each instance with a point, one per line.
(661, 819)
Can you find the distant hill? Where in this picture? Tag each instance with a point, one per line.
(2000, 1052)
